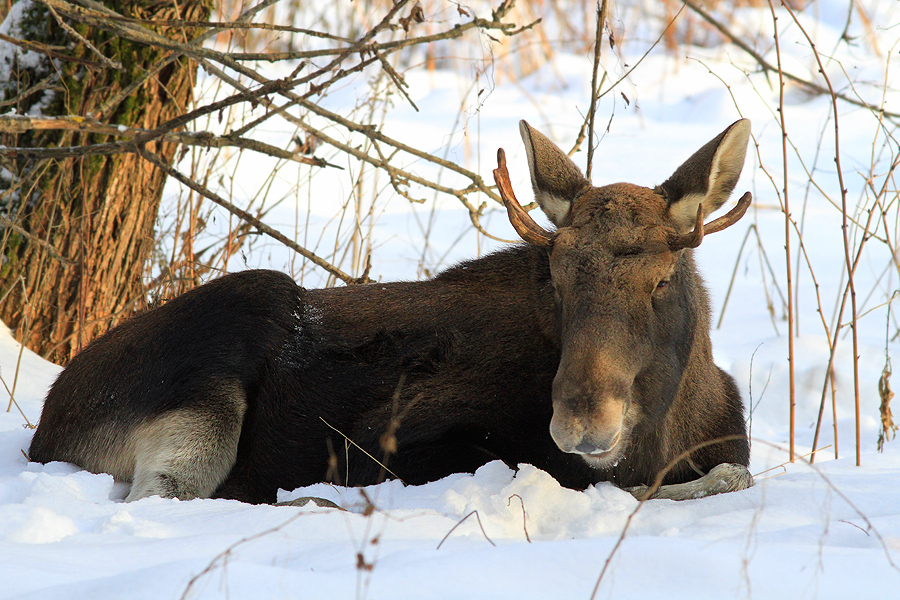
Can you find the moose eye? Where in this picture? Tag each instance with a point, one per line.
(662, 283)
(628, 251)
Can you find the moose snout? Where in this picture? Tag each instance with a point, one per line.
(591, 427)
(591, 395)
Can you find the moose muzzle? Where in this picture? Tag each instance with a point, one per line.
(589, 413)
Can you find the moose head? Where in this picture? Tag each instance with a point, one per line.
(625, 286)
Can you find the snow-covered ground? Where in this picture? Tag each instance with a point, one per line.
(829, 530)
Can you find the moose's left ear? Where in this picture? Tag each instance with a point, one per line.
(556, 180)
(707, 177)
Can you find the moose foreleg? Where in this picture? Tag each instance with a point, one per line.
(725, 477)
(186, 453)
(304, 500)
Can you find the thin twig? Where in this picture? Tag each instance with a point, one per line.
(787, 236)
(737, 262)
(524, 516)
(363, 450)
(51, 51)
(5, 222)
(203, 139)
(460, 522)
(595, 87)
(222, 557)
(112, 64)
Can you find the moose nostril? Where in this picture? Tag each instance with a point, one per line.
(590, 448)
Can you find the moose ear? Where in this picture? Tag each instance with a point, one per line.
(707, 177)
(555, 178)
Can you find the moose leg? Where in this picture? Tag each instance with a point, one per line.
(304, 500)
(725, 477)
(186, 453)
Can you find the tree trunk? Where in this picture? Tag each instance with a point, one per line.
(98, 212)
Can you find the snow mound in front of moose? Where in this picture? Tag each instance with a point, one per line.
(508, 504)
(530, 499)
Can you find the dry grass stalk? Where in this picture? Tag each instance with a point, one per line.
(888, 428)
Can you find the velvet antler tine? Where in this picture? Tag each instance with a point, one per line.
(693, 239)
(524, 225)
(732, 217)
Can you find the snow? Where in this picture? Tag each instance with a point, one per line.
(14, 57)
(827, 530)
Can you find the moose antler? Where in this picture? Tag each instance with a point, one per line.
(524, 225)
(693, 239)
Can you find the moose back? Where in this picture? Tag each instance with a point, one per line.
(584, 352)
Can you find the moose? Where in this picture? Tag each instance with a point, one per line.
(584, 351)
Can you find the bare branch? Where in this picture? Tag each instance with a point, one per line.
(51, 51)
(112, 64)
(204, 139)
(5, 222)
(45, 84)
(595, 87)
